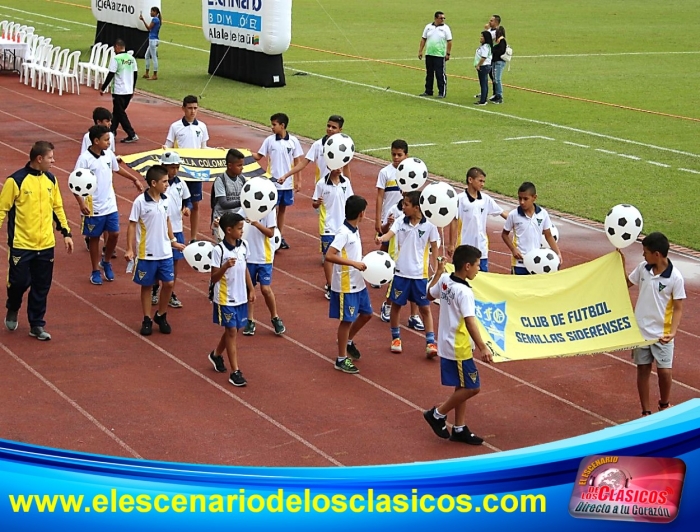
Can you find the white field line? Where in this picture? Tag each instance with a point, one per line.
(31, 21)
(633, 157)
(464, 141)
(530, 137)
(606, 151)
(662, 165)
(689, 170)
(575, 144)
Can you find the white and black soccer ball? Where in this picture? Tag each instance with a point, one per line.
(338, 151)
(555, 234)
(623, 224)
(411, 174)
(541, 261)
(380, 268)
(276, 239)
(258, 198)
(82, 182)
(438, 201)
(198, 256)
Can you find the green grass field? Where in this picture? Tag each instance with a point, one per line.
(592, 157)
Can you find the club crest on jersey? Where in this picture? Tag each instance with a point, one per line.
(16, 260)
(661, 287)
(539, 221)
(420, 233)
(228, 316)
(141, 275)
(473, 376)
(91, 227)
(352, 310)
(397, 293)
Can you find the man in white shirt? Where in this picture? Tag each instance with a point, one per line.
(190, 133)
(122, 75)
(437, 42)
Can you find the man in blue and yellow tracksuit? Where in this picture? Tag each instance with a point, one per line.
(31, 201)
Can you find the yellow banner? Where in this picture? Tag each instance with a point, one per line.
(197, 165)
(580, 310)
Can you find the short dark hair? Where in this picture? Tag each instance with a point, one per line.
(400, 144)
(656, 242)
(465, 254)
(354, 206)
(39, 149)
(189, 99)
(528, 187)
(498, 18)
(155, 173)
(96, 132)
(100, 113)
(229, 219)
(280, 118)
(120, 43)
(475, 172)
(413, 197)
(233, 155)
(438, 13)
(337, 119)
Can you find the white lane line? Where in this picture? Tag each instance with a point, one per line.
(70, 401)
(689, 170)
(633, 157)
(662, 165)
(606, 151)
(575, 144)
(51, 18)
(529, 137)
(465, 141)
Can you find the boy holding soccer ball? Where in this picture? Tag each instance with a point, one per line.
(530, 222)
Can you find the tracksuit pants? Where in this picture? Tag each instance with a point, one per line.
(435, 68)
(33, 270)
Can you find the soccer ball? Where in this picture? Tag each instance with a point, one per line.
(438, 201)
(82, 182)
(411, 174)
(380, 268)
(276, 239)
(258, 197)
(623, 225)
(555, 235)
(338, 151)
(198, 255)
(541, 261)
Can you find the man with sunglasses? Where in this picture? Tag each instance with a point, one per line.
(437, 44)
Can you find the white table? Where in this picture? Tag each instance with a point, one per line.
(10, 53)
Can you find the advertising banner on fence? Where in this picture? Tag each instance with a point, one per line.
(257, 25)
(124, 12)
(579, 310)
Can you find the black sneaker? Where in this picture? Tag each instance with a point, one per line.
(40, 334)
(346, 366)
(249, 329)
(466, 436)
(163, 325)
(218, 362)
(283, 244)
(146, 326)
(11, 320)
(128, 140)
(425, 95)
(438, 425)
(353, 352)
(279, 326)
(493, 98)
(327, 288)
(237, 378)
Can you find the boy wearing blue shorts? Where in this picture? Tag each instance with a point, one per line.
(232, 290)
(179, 205)
(417, 240)
(458, 335)
(329, 198)
(261, 254)
(349, 296)
(99, 211)
(149, 227)
(283, 152)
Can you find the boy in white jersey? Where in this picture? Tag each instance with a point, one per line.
(190, 133)
(261, 254)
(315, 153)
(329, 198)
(99, 211)
(457, 336)
(232, 290)
(530, 222)
(349, 296)
(179, 205)
(149, 227)
(473, 208)
(417, 239)
(283, 152)
(388, 191)
(658, 313)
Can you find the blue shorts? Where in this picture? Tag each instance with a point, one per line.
(326, 241)
(195, 188)
(403, 290)
(147, 272)
(260, 273)
(231, 317)
(177, 255)
(519, 270)
(347, 307)
(461, 373)
(94, 226)
(285, 197)
(484, 265)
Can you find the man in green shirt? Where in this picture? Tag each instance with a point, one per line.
(123, 72)
(437, 42)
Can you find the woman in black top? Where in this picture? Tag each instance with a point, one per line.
(499, 48)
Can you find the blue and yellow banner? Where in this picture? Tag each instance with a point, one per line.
(197, 165)
(580, 310)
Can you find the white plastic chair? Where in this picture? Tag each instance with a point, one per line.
(29, 30)
(88, 66)
(53, 62)
(3, 27)
(69, 71)
(102, 69)
(44, 54)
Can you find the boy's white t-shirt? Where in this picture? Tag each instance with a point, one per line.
(103, 201)
(151, 218)
(86, 142)
(183, 134)
(654, 309)
(472, 214)
(260, 248)
(456, 303)
(231, 289)
(527, 230)
(178, 192)
(315, 155)
(280, 153)
(346, 279)
(386, 180)
(331, 213)
(414, 246)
